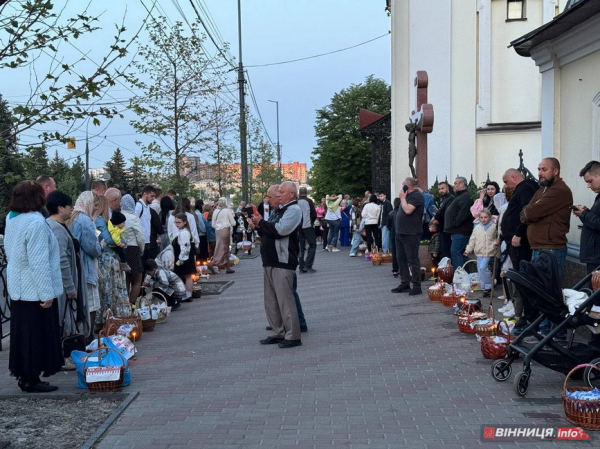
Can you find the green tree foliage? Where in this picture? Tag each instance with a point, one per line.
(137, 177)
(115, 167)
(58, 167)
(73, 182)
(35, 162)
(180, 82)
(264, 170)
(11, 168)
(342, 158)
(33, 31)
(220, 146)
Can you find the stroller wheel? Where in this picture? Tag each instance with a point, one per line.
(501, 370)
(521, 383)
(591, 376)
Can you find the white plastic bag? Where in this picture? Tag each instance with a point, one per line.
(461, 279)
(444, 262)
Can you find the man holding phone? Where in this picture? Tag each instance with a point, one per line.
(589, 248)
(409, 227)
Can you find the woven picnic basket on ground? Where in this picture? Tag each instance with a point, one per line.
(105, 386)
(581, 412)
(120, 314)
(467, 318)
(435, 292)
(386, 257)
(450, 299)
(485, 330)
(496, 350)
(147, 325)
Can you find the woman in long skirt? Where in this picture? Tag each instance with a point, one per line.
(222, 221)
(34, 282)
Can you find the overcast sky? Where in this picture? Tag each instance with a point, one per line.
(273, 31)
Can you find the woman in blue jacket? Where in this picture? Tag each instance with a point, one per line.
(34, 281)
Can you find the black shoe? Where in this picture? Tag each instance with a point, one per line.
(303, 328)
(271, 340)
(401, 288)
(394, 274)
(175, 307)
(41, 387)
(520, 327)
(290, 343)
(487, 293)
(190, 299)
(415, 292)
(302, 270)
(268, 328)
(312, 270)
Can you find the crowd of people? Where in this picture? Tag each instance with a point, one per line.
(70, 260)
(66, 259)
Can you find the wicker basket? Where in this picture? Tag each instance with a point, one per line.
(446, 274)
(494, 350)
(435, 293)
(465, 320)
(112, 323)
(147, 325)
(580, 412)
(596, 280)
(485, 330)
(375, 260)
(386, 257)
(450, 300)
(162, 316)
(106, 386)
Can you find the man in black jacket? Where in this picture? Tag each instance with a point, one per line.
(514, 233)
(307, 232)
(279, 252)
(447, 196)
(589, 248)
(458, 221)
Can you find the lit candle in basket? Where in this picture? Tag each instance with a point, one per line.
(134, 334)
(433, 273)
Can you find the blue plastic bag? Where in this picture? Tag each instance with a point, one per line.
(109, 358)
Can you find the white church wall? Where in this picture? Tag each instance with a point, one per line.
(516, 81)
(463, 88)
(497, 152)
(579, 89)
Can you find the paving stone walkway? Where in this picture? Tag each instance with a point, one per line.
(376, 369)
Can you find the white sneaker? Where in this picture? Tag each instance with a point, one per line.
(510, 310)
(334, 250)
(352, 255)
(504, 298)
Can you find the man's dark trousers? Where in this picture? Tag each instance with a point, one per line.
(407, 251)
(307, 235)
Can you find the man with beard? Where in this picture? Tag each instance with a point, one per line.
(548, 219)
(446, 193)
(548, 214)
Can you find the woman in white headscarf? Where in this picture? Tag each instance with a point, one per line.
(223, 222)
(83, 229)
(135, 240)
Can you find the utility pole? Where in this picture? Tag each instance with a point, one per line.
(278, 144)
(87, 157)
(242, 82)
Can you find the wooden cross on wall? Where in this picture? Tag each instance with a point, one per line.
(422, 117)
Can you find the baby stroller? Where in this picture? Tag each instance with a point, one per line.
(537, 283)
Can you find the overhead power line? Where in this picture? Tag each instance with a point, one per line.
(322, 54)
